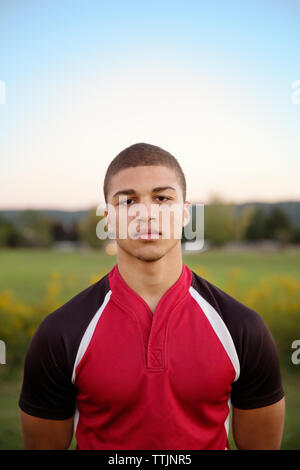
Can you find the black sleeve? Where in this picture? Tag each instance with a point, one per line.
(259, 383)
(47, 390)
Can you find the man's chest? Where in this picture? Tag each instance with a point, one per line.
(134, 356)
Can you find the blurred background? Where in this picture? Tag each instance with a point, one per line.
(215, 83)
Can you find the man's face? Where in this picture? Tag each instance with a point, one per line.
(146, 199)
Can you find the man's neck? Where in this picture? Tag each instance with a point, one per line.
(150, 280)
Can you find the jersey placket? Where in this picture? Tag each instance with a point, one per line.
(153, 326)
(155, 348)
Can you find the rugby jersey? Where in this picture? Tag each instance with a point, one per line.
(138, 380)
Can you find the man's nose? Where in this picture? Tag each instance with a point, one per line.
(146, 211)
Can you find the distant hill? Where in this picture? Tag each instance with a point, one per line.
(291, 208)
(64, 217)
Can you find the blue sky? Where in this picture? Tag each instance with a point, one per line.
(211, 82)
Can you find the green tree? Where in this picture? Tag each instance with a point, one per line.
(243, 219)
(295, 238)
(219, 221)
(278, 225)
(36, 228)
(87, 229)
(9, 235)
(257, 226)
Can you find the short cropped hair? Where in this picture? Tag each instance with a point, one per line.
(142, 154)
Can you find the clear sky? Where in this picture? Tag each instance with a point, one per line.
(211, 82)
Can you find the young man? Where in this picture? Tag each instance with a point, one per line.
(152, 355)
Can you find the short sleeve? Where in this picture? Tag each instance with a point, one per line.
(47, 390)
(259, 383)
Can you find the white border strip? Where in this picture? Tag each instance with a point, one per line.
(85, 340)
(220, 329)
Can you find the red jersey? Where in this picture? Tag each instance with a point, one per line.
(138, 380)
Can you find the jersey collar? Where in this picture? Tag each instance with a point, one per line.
(126, 296)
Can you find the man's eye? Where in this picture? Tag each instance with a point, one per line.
(124, 203)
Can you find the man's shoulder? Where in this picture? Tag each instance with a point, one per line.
(238, 317)
(253, 343)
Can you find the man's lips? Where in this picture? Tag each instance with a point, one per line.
(148, 235)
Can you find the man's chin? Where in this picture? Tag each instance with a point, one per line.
(145, 254)
(149, 258)
(148, 254)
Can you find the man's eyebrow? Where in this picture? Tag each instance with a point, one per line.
(162, 188)
(154, 190)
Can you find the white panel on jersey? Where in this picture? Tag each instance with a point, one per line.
(76, 419)
(85, 341)
(220, 329)
(227, 421)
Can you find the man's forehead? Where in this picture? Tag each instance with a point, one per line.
(136, 171)
(131, 182)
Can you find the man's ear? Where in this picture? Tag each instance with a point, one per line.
(107, 224)
(186, 213)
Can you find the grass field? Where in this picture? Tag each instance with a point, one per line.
(27, 272)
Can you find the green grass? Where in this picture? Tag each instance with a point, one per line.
(26, 272)
(253, 265)
(10, 430)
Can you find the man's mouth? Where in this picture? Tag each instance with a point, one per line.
(154, 235)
